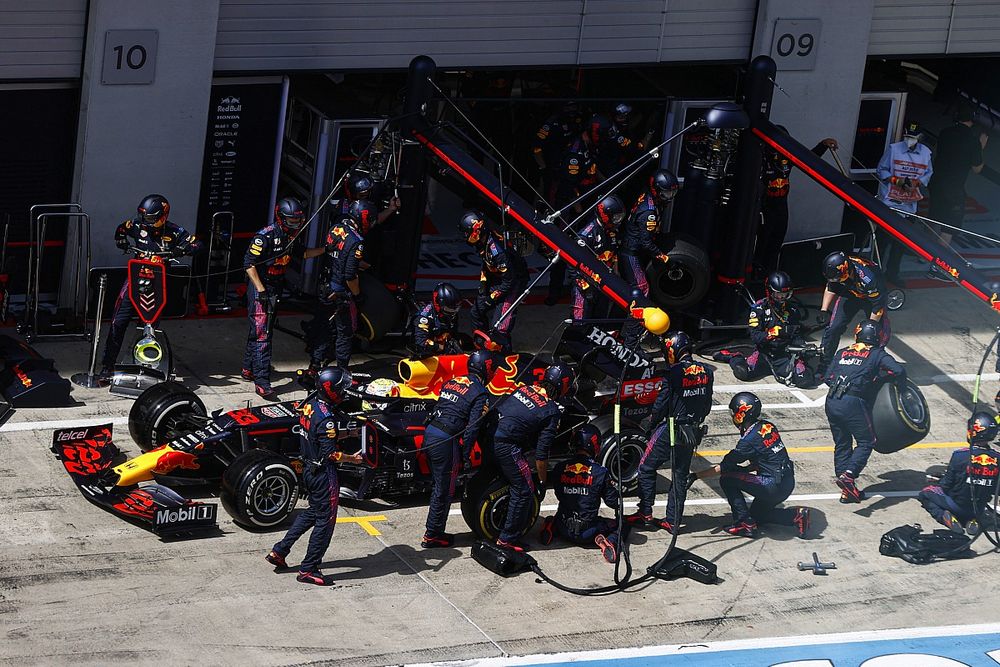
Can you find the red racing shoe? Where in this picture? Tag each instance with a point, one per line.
(276, 559)
(742, 529)
(850, 489)
(437, 541)
(514, 545)
(607, 549)
(547, 534)
(802, 521)
(316, 578)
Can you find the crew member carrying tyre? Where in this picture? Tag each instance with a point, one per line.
(504, 275)
(598, 235)
(459, 411)
(853, 284)
(682, 404)
(768, 476)
(530, 414)
(638, 241)
(773, 327)
(851, 378)
(581, 483)
(436, 324)
(340, 297)
(265, 262)
(320, 452)
(969, 482)
(153, 236)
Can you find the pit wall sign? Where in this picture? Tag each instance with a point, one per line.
(795, 43)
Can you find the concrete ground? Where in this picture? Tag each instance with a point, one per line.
(79, 585)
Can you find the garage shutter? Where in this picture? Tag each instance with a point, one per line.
(42, 39)
(915, 27)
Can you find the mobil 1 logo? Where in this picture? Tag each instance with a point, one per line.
(795, 43)
(129, 57)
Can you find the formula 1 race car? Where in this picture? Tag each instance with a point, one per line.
(252, 452)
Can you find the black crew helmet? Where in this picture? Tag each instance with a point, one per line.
(289, 214)
(745, 409)
(331, 383)
(664, 185)
(154, 210)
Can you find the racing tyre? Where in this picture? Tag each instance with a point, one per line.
(381, 312)
(895, 299)
(162, 413)
(486, 510)
(900, 418)
(633, 445)
(259, 489)
(684, 280)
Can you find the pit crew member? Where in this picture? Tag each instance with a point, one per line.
(436, 324)
(598, 235)
(853, 284)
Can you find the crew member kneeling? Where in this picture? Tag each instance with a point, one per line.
(530, 414)
(435, 326)
(851, 378)
(769, 475)
(581, 483)
(320, 453)
(970, 481)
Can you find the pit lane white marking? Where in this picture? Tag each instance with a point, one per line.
(630, 504)
(609, 656)
(60, 423)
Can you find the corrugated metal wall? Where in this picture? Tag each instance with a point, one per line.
(342, 34)
(912, 27)
(41, 39)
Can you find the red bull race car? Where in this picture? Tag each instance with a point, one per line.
(251, 453)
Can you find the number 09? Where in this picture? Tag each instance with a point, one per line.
(787, 44)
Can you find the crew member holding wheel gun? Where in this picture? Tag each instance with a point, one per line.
(435, 326)
(530, 414)
(853, 284)
(340, 297)
(683, 403)
(265, 262)
(773, 327)
(851, 378)
(581, 483)
(459, 411)
(320, 454)
(152, 236)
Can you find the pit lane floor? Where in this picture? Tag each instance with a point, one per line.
(78, 585)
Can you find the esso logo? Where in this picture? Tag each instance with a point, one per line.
(640, 388)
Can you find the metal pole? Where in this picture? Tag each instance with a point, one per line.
(89, 379)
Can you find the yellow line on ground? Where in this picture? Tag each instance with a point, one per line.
(364, 521)
(829, 448)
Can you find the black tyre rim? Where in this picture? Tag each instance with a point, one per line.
(676, 282)
(912, 406)
(497, 515)
(628, 477)
(171, 420)
(271, 497)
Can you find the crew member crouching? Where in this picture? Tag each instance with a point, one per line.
(581, 483)
(436, 324)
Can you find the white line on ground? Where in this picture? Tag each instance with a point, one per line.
(608, 656)
(60, 423)
(691, 502)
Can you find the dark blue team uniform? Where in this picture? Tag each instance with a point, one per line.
(580, 485)
(586, 297)
(433, 334)
(337, 318)
(270, 251)
(769, 476)
(972, 470)
(459, 411)
(686, 395)
(504, 275)
(864, 289)
(152, 242)
(319, 422)
(526, 416)
(636, 248)
(773, 327)
(851, 377)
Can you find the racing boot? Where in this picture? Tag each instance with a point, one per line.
(849, 488)
(663, 524)
(951, 523)
(265, 392)
(307, 377)
(276, 559)
(440, 540)
(513, 545)
(742, 529)
(637, 518)
(972, 528)
(802, 521)
(316, 578)
(548, 531)
(607, 548)
(246, 374)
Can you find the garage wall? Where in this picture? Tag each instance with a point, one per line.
(41, 39)
(913, 27)
(341, 34)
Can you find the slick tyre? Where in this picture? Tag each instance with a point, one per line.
(488, 509)
(163, 412)
(900, 418)
(632, 442)
(259, 489)
(684, 280)
(381, 312)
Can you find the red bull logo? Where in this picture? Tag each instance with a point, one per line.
(503, 380)
(172, 460)
(578, 469)
(22, 376)
(694, 369)
(766, 429)
(741, 413)
(982, 459)
(462, 380)
(946, 267)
